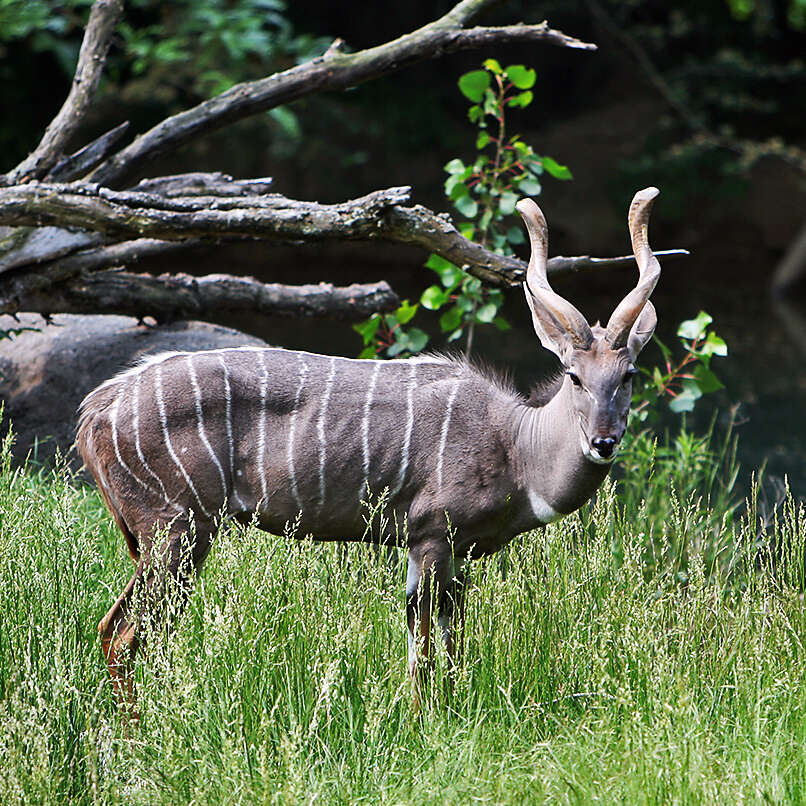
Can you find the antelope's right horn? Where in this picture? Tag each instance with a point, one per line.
(544, 301)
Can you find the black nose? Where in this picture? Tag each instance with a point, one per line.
(604, 445)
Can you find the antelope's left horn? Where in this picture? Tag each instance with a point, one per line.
(628, 310)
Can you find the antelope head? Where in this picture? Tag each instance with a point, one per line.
(598, 362)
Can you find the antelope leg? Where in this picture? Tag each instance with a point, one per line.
(429, 586)
(156, 592)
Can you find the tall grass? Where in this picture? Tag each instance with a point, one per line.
(589, 674)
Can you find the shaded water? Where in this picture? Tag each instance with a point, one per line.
(764, 373)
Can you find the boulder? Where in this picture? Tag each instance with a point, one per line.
(47, 369)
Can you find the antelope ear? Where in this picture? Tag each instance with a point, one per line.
(553, 336)
(641, 332)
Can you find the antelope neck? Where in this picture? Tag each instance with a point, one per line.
(552, 465)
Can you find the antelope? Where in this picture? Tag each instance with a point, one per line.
(274, 436)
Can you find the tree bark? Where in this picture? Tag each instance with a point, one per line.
(211, 298)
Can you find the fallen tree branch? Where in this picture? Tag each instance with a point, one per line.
(87, 158)
(97, 38)
(169, 297)
(181, 222)
(335, 70)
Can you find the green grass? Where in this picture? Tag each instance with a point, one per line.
(591, 674)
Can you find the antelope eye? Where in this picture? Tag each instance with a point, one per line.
(574, 378)
(628, 375)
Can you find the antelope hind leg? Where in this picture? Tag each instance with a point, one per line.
(171, 565)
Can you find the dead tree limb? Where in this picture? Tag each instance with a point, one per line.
(97, 38)
(213, 297)
(271, 217)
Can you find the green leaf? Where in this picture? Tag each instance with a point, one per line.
(501, 323)
(482, 140)
(368, 352)
(369, 328)
(515, 236)
(405, 312)
(492, 65)
(395, 349)
(706, 380)
(555, 169)
(468, 229)
(486, 313)
(455, 166)
(434, 298)
(417, 340)
(522, 77)
(490, 104)
(473, 84)
(475, 113)
(683, 402)
(690, 394)
(507, 203)
(455, 187)
(467, 206)
(714, 345)
(450, 276)
(521, 99)
(694, 328)
(451, 319)
(530, 187)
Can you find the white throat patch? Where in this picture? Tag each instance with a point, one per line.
(541, 508)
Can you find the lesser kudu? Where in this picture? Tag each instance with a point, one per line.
(273, 435)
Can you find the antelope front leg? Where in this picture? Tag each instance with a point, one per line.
(431, 583)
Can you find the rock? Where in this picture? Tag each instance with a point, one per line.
(46, 371)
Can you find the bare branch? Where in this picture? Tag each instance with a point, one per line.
(87, 158)
(25, 246)
(204, 184)
(19, 288)
(270, 217)
(168, 297)
(335, 70)
(566, 265)
(97, 37)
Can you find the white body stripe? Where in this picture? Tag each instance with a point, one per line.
(404, 452)
(200, 424)
(443, 437)
(166, 436)
(138, 447)
(365, 428)
(261, 434)
(303, 372)
(320, 429)
(113, 417)
(230, 440)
